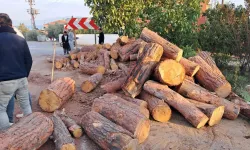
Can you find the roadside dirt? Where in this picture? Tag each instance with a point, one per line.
(177, 134)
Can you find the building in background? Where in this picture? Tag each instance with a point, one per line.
(204, 6)
(63, 22)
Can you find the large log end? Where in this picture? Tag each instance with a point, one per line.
(49, 101)
(224, 90)
(216, 116)
(101, 69)
(87, 86)
(203, 121)
(68, 147)
(142, 130)
(162, 113)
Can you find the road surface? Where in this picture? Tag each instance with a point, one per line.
(44, 48)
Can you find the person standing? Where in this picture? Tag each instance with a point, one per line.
(101, 36)
(15, 66)
(65, 41)
(71, 40)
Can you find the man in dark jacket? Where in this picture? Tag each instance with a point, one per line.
(15, 66)
(101, 37)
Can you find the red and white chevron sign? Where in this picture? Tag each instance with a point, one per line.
(81, 23)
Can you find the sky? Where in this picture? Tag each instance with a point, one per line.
(51, 10)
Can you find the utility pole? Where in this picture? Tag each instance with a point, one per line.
(222, 2)
(33, 12)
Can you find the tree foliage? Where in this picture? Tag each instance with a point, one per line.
(227, 33)
(55, 30)
(32, 35)
(22, 28)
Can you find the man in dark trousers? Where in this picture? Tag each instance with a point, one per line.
(101, 36)
(15, 66)
(65, 41)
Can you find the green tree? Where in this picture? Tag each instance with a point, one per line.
(32, 35)
(176, 20)
(55, 30)
(112, 15)
(22, 28)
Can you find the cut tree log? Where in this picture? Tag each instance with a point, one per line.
(211, 80)
(120, 112)
(92, 55)
(159, 110)
(124, 68)
(129, 49)
(114, 86)
(57, 93)
(142, 46)
(29, 133)
(75, 63)
(106, 56)
(244, 107)
(107, 46)
(123, 40)
(171, 51)
(88, 48)
(90, 69)
(91, 83)
(113, 64)
(206, 56)
(59, 63)
(114, 50)
(75, 51)
(107, 134)
(133, 57)
(190, 78)
(145, 65)
(191, 68)
(73, 56)
(61, 135)
(170, 72)
(198, 93)
(214, 113)
(136, 101)
(197, 118)
(72, 126)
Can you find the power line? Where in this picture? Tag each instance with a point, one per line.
(33, 12)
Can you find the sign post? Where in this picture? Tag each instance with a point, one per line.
(53, 65)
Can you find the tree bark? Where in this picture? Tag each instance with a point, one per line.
(191, 67)
(29, 133)
(211, 80)
(159, 110)
(123, 40)
(120, 112)
(136, 101)
(75, 51)
(129, 49)
(244, 107)
(57, 93)
(140, 52)
(113, 64)
(187, 109)
(88, 48)
(92, 55)
(91, 83)
(72, 126)
(73, 56)
(112, 87)
(107, 134)
(90, 69)
(214, 113)
(171, 51)
(124, 68)
(196, 92)
(133, 57)
(145, 65)
(206, 56)
(190, 78)
(75, 63)
(106, 56)
(170, 72)
(61, 135)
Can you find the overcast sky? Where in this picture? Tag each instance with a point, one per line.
(51, 9)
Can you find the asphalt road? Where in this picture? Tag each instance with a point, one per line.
(44, 48)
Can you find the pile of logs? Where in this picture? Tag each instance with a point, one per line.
(160, 80)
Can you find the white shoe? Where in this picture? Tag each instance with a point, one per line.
(11, 124)
(19, 116)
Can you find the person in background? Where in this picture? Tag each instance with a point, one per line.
(15, 66)
(71, 40)
(65, 41)
(101, 36)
